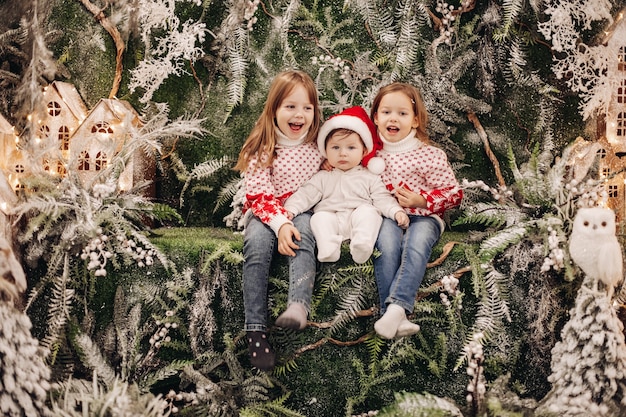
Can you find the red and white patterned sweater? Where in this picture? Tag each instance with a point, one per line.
(423, 169)
(268, 188)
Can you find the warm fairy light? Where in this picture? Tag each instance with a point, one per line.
(29, 117)
(124, 184)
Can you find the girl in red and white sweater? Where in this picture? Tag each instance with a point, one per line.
(425, 186)
(279, 155)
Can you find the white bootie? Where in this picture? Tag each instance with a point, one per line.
(329, 250)
(361, 252)
(387, 326)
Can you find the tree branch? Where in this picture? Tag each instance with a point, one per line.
(120, 46)
(471, 116)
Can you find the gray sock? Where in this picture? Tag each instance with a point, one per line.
(293, 318)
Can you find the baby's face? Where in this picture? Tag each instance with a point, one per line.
(344, 152)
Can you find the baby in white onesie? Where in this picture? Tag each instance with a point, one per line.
(348, 200)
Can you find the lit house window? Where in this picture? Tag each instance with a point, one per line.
(61, 169)
(621, 92)
(612, 190)
(621, 124)
(101, 127)
(83, 161)
(44, 131)
(101, 161)
(19, 168)
(606, 172)
(64, 138)
(54, 108)
(602, 153)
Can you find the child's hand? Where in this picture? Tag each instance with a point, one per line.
(403, 219)
(409, 199)
(326, 166)
(289, 215)
(286, 234)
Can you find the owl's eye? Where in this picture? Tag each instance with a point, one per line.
(603, 224)
(585, 223)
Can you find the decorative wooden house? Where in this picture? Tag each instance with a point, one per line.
(65, 111)
(8, 199)
(11, 160)
(7, 142)
(104, 133)
(67, 134)
(611, 128)
(7, 172)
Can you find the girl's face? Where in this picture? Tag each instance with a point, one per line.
(395, 116)
(345, 152)
(294, 115)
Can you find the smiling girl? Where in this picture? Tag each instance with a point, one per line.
(425, 186)
(279, 155)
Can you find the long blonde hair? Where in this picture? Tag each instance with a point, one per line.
(419, 108)
(262, 138)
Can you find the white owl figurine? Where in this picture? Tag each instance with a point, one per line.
(594, 247)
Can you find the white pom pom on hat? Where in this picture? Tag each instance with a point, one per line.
(356, 119)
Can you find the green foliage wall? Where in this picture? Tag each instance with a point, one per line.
(477, 69)
(337, 365)
(497, 69)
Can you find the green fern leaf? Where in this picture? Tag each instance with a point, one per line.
(501, 240)
(203, 171)
(161, 374)
(352, 301)
(483, 214)
(163, 212)
(228, 192)
(92, 358)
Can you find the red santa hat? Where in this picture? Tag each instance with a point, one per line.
(356, 119)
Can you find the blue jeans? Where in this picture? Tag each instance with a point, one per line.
(401, 266)
(260, 244)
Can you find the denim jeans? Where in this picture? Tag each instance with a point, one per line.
(260, 244)
(401, 266)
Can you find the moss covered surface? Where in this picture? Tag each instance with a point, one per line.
(333, 368)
